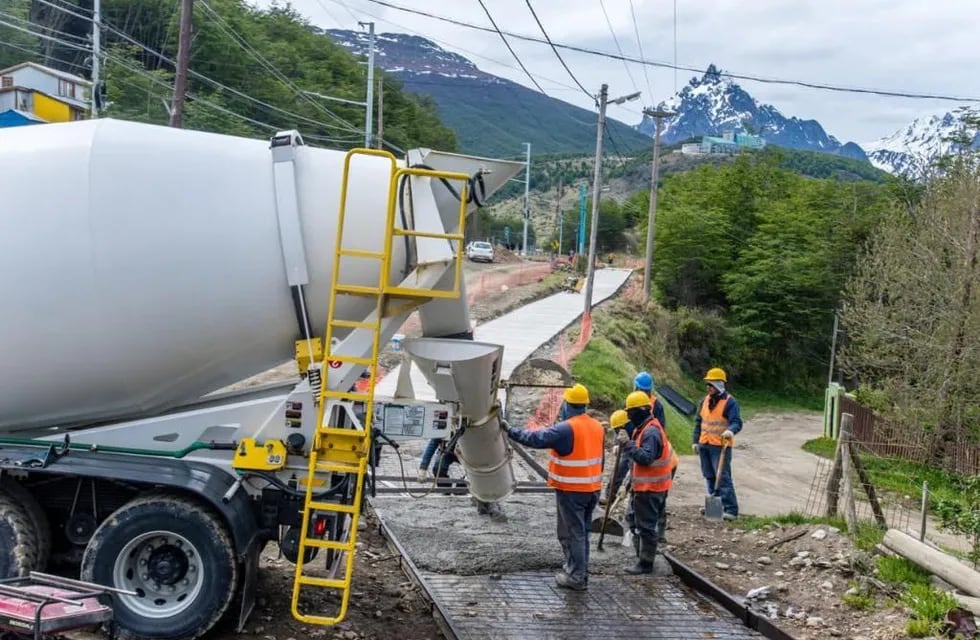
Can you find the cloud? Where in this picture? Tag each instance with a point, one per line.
(901, 45)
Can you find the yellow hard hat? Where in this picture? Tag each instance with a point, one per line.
(576, 395)
(618, 419)
(637, 399)
(716, 374)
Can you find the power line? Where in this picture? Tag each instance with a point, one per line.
(244, 45)
(557, 55)
(639, 45)
(509, 48)
(667, 65)
(612, 32)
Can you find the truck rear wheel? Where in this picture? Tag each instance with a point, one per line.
(176, 555)
(38, 518)
(19, 545)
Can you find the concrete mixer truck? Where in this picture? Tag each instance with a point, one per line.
(144, 269)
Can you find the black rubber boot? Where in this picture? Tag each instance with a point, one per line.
(641, 566)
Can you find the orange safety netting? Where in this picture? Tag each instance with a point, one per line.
(545, 414)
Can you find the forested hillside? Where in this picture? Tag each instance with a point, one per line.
(249, 67)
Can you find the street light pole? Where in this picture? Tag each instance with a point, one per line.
(596, 188)
(658, 115)
(527, 189)
(369, 101)
(96, 53)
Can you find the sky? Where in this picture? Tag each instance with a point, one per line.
(895, 45)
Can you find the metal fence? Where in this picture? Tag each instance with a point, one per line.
(887, 438)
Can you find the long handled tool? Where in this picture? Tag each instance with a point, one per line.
(713, 508)
(609, 503)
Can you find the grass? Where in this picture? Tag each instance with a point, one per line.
(928, 606)
(898, 571)
(756, 401)
(862, 600)
(752, 523)
(608, 374)
(896, 475)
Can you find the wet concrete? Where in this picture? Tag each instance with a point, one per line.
(444, 534)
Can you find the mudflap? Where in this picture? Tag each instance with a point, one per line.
(249, 583)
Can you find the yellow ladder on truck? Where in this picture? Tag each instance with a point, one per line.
(345, 449)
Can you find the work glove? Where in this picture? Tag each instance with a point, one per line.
(423, 476)
(728, 435)
(695, 448)
(622, 437)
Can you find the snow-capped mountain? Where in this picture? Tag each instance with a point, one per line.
(911, 150)
(491, 115)
(712, 105)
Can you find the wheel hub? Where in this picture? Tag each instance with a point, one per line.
(163, 569)
(167, 565)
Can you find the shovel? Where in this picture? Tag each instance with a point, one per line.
(601, 525)
(713, 509)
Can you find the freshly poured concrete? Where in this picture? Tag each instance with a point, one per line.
(523, 330)
(444, 534)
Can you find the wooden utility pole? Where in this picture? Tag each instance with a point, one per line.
(381, 101)
(658, 115)
(183, 62)
(559, 218)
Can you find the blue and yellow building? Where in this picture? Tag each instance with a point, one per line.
(31, 93)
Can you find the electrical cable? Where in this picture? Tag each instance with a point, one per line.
(557, 55)
(509, 48)
(667, 65)
(612, 32)
(639, 46)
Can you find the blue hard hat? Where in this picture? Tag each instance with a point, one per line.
(643, 381)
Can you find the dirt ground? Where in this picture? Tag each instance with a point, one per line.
(384, 602)
(771, 471)
(799, 583)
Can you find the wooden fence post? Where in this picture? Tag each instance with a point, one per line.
(850, 515)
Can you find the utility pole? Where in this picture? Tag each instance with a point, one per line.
(558, 216)
(369, 102)
(183, 61)
(658, 115)
(96, 52)
(381, 101)
(581, 220)
(596, 188)
(527, 189)
(833, 349)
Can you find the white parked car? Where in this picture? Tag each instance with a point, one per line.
(480, 251)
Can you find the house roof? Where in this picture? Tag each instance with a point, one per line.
(16, 117)
(48, 70)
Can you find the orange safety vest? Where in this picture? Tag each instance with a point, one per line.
(655, 476)
(674, 460)
(713, 422)
(580, 470)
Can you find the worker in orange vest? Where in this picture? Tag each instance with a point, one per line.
(644, 382)
(575, 471)
(716, 424)
(652, 457)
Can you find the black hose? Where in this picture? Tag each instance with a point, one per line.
(282, 486)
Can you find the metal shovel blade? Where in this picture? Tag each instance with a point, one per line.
(613, 526)
(713, 509)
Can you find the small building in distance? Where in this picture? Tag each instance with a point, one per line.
(729, 142)
(31, 93)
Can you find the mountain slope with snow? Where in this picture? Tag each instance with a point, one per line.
(491, 115)
(712, 105)
(911, 150)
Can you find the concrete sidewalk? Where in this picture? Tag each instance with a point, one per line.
(522, 331)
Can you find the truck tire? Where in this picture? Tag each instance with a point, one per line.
(19, 546)
(176, 554)
(37, 516)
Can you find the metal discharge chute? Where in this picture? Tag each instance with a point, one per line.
(468, 373)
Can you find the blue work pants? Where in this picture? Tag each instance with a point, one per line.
(574, 519)
(710, 454)
(647, 507)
